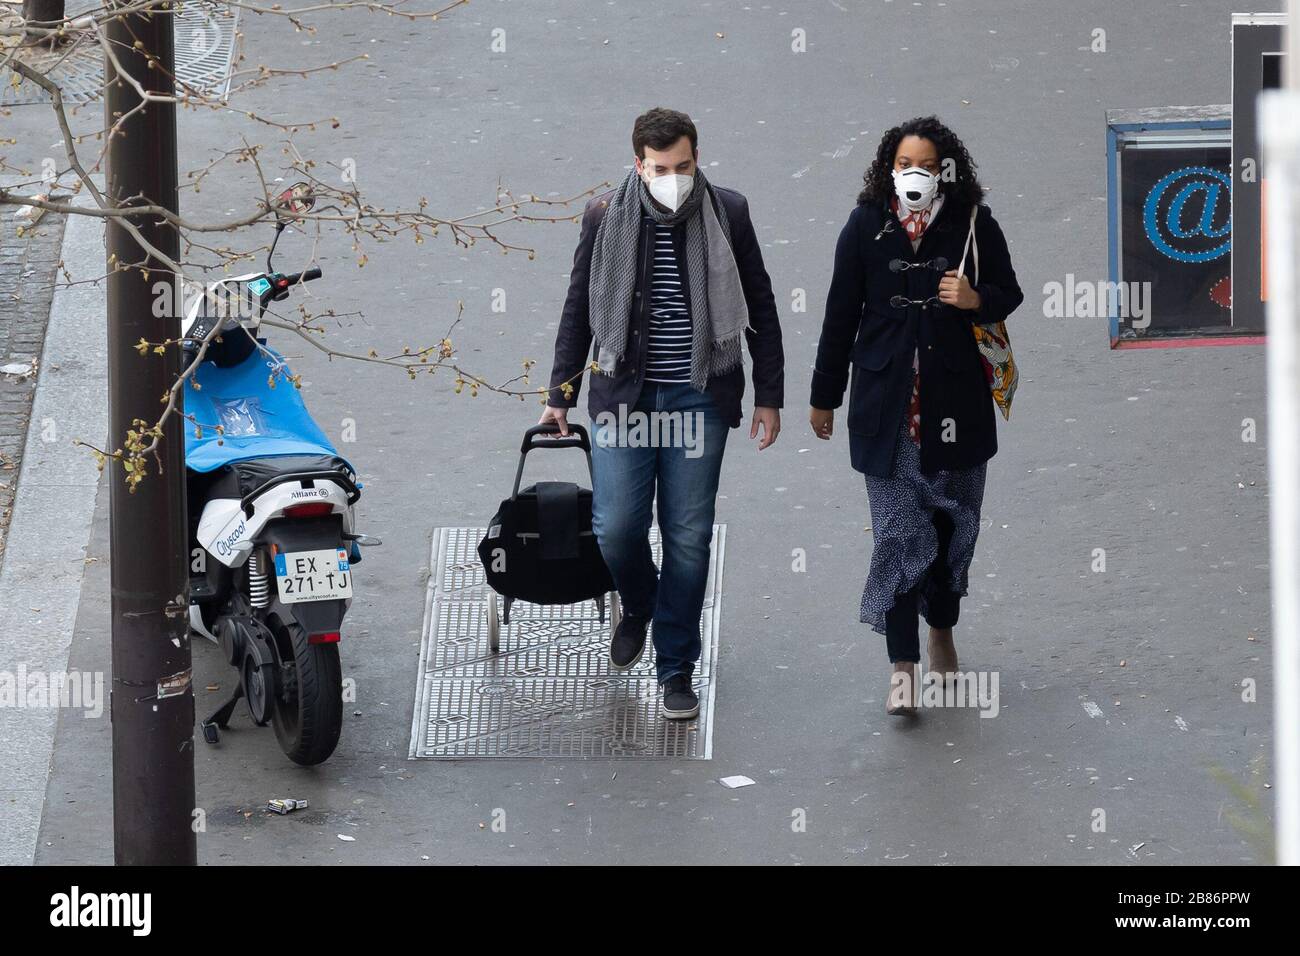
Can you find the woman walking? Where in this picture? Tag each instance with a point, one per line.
(920, 418)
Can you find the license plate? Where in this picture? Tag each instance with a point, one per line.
(313, 575)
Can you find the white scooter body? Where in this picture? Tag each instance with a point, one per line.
(227, 534)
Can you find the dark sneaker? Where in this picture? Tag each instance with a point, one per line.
(628, 644)
(679, 701)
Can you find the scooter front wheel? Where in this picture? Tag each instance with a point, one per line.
(308, 712)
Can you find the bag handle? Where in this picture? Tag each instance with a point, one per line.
(973, 244)
(577, 439)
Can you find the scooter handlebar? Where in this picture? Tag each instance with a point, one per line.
(307, 276)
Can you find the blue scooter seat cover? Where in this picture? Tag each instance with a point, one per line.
(258, 421)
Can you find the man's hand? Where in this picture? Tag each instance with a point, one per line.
(559, 416)
(822, 421)
(958, 292)
(770, 419)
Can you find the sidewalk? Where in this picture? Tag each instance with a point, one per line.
(27, 275)
(40, 579)
(1120, 692)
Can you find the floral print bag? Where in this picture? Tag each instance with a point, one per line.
(992, 340)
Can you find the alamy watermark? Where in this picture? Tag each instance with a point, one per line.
(638, 429)
(1087, 299)
(976, 689)
(133, 911)
(38, 690)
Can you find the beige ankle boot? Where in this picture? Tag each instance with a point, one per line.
(943, 654)
(901, 701)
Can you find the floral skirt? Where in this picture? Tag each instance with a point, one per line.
(906, 540)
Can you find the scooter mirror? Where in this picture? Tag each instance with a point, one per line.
(297, 199)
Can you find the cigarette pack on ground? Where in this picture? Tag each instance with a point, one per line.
(286, 805)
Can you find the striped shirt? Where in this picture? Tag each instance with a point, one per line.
(668, 345)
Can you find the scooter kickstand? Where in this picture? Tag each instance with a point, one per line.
(221, 717)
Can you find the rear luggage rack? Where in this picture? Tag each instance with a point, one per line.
(308, 480)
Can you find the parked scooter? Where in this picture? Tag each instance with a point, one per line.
(270, 515)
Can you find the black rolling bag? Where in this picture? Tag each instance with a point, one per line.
(539, 545)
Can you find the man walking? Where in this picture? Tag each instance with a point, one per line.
(667, 279)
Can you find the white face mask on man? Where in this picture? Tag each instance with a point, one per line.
(915, 187)
(670, 190)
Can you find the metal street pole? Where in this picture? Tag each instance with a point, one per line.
(153, 702)
(1280, 134)
(44, 13)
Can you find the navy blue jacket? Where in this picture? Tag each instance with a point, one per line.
(863, 331)
(574, 348)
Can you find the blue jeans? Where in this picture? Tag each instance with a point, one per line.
(678, 454)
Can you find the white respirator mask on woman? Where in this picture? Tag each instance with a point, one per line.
(915, 187)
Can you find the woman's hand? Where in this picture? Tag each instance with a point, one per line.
(822, 421)
(956, 291)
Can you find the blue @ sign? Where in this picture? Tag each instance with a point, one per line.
(1182, 210)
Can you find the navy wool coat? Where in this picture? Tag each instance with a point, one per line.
(871, 339)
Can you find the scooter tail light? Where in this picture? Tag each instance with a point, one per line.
(324, 637)
(314, 510)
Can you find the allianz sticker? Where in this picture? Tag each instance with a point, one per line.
(309, 493)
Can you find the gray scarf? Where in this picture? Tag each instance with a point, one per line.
(719, 315)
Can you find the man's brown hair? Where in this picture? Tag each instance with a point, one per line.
(659, 128)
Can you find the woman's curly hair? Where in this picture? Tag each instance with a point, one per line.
(879, 180)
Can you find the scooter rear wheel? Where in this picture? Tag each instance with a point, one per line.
(308, 712)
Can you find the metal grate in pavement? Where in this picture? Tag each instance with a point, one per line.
(550, 691)
(205, 47)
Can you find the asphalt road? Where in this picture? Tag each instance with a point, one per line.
(1137, 452)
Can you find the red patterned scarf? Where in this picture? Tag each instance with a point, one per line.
(914, 224)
